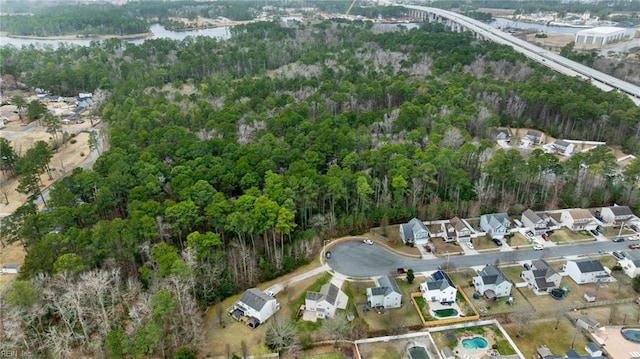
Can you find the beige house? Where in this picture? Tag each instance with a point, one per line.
(578, 220)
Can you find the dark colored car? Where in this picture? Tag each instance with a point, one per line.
(594, 232)
(618, 254)
(618, 239)
(497, 242)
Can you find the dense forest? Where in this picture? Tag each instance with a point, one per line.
(230, 161)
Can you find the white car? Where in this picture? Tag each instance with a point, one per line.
(367, 241)
(538, 247)
(470, 245)
(633, 238)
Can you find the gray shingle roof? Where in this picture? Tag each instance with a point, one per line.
(593, 347)
(379, 291)
(621, 211)
(588, 265)
(328, 292)
(255, 298)
(439, 280)
(531, 215)
(491, 274)
(389, 284)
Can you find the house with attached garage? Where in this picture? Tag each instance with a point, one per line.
(541, 277)
(532, 138)
(617, 215)
(497, 225)
(456, 230)
(439, 288)
(539, 222)
(587, 270)
(578, 220)
(386, 294)
(325, 302)
(255, 305)
(414, 232)
(563, 147)
(492, 283)
(501, 135)
(630, 263)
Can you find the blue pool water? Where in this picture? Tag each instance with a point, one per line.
(632, 335)
(474, 343)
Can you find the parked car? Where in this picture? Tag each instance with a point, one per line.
(538, 247)
(497, 242)
(368, 241)
(470, 245)
(270, 293)
(618, 254)
(545, 236)
(618, 239)
(527, 266)
(529, 234)
(634, 246)
(635, 228)
(594, 232)
(402, 270)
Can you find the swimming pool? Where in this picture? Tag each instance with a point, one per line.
(631, 334)
(447, 312)
(418, 353)
(474, 343)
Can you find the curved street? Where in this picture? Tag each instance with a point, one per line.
(357, 259)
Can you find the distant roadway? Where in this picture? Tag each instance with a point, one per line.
(357, 259)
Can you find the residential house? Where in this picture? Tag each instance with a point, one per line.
(541, 277)
(456, 230)
(587, 323)
(563, 147)
(616, 215)
(543, 352)
(593, 349)
(630, 263)
(587, 270)
(497, 225)
(532, 138)
(501, 135)
(386, 294)
(573, 354)
(256, 305)
(439, 288)
(578, 220)
(10, 268)
(492, 283)
(325, 302)
(414, 232)
(539, 222)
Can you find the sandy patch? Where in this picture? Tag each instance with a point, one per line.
(13, 253)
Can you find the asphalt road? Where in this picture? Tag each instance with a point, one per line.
(357, 259)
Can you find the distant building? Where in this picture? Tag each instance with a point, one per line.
(10, 268)
(600, 35)
(563, 147)
(501, 135)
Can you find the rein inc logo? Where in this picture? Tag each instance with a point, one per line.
(14, 353)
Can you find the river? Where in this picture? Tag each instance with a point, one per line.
(158, 31)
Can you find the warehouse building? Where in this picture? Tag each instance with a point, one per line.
(600, 35)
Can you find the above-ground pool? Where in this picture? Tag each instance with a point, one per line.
(447, 312)
(631, 334)
(474, 343)
(418, 353)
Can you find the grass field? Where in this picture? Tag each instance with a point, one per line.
(543, 332)
(566, 235)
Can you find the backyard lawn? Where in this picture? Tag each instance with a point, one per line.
(543, 332)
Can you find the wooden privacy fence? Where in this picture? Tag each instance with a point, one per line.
(433, 323)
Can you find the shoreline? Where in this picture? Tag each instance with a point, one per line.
(79, 37)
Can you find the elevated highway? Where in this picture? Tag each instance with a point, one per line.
(558, 63)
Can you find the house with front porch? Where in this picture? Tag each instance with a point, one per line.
(578, 219)
(539, 222)
(541, 277)
(439, 288)
(414, 232)
(456, 230)
(617, 215)
(501, 135)
(497, 225)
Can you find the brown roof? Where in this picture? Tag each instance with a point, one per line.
(580, 213)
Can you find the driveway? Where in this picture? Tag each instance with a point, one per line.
(356, 259)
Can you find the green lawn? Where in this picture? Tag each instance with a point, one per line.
(324, 356)
(566, 235)
(543, 332)
(611, 232)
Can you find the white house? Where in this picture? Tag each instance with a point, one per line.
(539, 222)
(501, 135)
(492, 283)
(325, 302)
(616, 215)
(497, 225)
(414, 232)
(532, 138)
(593, 349)
(456, 230)
(439, 288)
(630, 263)
(256, 305)
(578, 220)
(541, 277)
(386, 294)
(10, 268)
(587, 270)
(563, 147)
